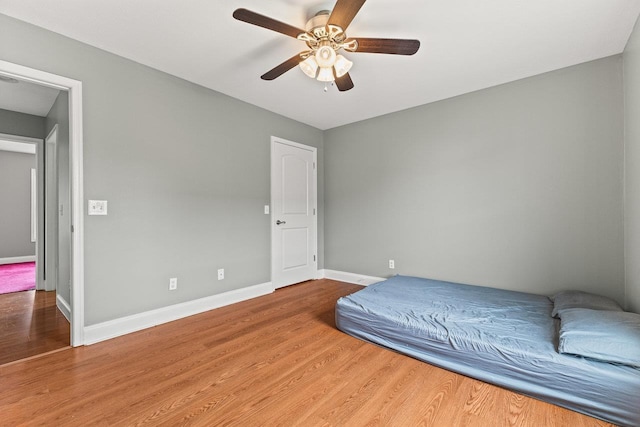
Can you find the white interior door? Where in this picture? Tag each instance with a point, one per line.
(293, 213)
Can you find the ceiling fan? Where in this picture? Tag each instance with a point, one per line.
(325, 36)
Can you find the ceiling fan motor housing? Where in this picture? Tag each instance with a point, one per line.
(320, 19)
(318, 31)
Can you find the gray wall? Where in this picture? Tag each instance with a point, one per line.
(21, 124)
(15, 204)
(185, 171)
(59, 115)
(15, 123)
(15, 217)
(632, 169)
(517, 186)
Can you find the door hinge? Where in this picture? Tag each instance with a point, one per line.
(314, 258)
(314, 211)
(72, 228)
(314, 165)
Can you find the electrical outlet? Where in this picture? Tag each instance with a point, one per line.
(392, 264)
(97, 207)
(173, 283)
(220, 273)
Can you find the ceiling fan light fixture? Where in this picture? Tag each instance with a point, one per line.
(342, 66)
(325, 75)
(309, 66)
(325, 56)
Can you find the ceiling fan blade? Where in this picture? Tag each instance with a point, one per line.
(343, 13)
(266, 22)
(392, 46)
(282, 68)
(344, 83)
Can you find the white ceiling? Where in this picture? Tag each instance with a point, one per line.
(466, 45)
(28, 98)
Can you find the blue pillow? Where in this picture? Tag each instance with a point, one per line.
(578, 299)
(607, 336)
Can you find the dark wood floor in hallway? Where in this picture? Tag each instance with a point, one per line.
(30, 324)
(273, 360)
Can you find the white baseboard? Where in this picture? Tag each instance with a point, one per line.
(64, 307)
(136, 322)
(17, 259)
(357, 279)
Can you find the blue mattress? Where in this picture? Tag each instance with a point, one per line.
(502, 337)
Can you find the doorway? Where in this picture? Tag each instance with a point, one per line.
(19, 192)
(31, 322)
(74, 89)
(294, 212)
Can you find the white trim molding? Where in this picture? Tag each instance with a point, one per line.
(11, 138)
(356, 279)
(34, 204)
(17, 259)
(74, 87)
(64, 307)
(18, 144)
(136, 322)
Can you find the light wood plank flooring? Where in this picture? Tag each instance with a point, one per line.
(273, 360)
(30, 324)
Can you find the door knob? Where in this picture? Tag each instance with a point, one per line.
(278, 222)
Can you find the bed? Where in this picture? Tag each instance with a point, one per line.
(502, 337)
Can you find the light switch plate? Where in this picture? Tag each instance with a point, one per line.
(266, 209)
(97, 207)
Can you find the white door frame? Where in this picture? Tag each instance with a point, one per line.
(74, 87)
(51, 210)
(314, 150)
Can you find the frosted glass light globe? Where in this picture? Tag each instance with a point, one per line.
(342, 66)
(325, 57)
(309, 66)
(325, 75)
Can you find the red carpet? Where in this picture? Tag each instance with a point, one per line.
(17, 277)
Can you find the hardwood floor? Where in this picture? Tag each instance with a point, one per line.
(30, 324)
(273, 360)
